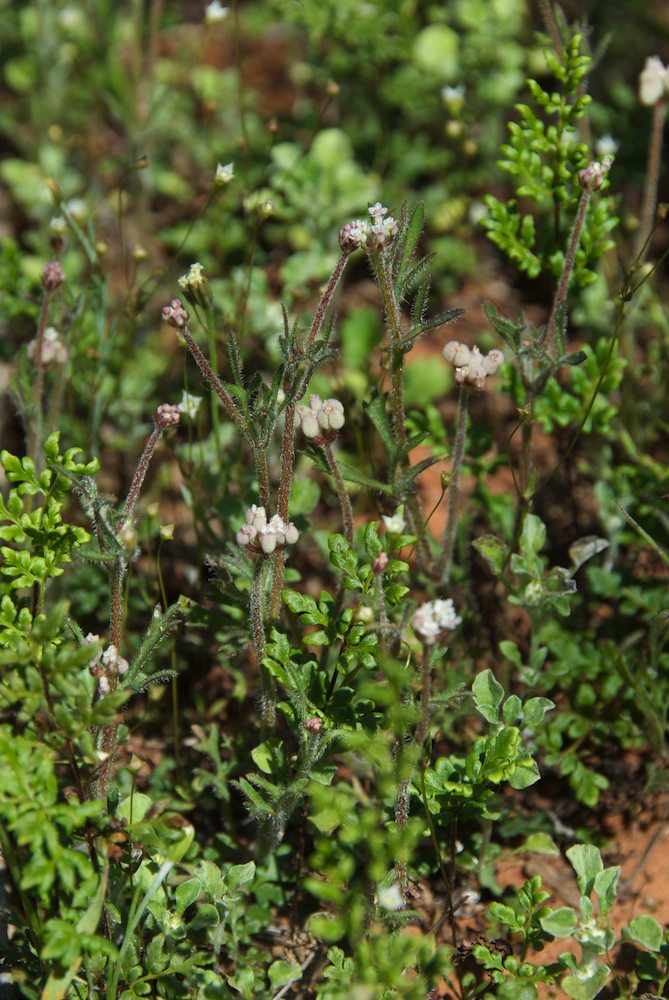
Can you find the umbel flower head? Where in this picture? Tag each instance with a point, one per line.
(592, 177)
(471, 366)
(195, 286)
(433, 619)
(321, 419)
(263, 536)
(373, 235)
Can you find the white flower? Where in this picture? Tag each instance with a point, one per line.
(395, 523)
(390, 897)
(453, 93)
(77, 208)
(653, 81)
(377, 211)
(471, 366)
(433, 618)
(58, 226)
(263, 535)
(224, 174)
(54, 350)
(606, 146)
(320, 420)
(189, 404)
(215, 12)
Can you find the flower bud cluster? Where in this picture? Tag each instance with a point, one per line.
(54, 350)
(471, 366)
(175, 314)
(592, 177)
(373, 235)
(653, 81)
(166, 416)
(321, 419)
(106, 666)
(434, 618)
(263, 536)
(53, 275)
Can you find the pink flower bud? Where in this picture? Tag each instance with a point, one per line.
(166, 416)
(380, 563)
(52, 275)
(175, 314)
(457, 354)
(314, 725)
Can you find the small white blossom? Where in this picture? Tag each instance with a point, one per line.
(54, 350)
(377, 211)
(189, 404)
(263, 535)
(390, 897)
(215, 12)
(321, 419)
(653, 81)
(78, 209)
(395, 523)
(433, 618)
(58, 226)
(471, 366)
(113, 662)
(453, 93)
(225, 172)
(606, 146)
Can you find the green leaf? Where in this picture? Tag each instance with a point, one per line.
(606, 884)
(488, 694)
(206, 916)
(511, 709)
(240, 875)
(560, 923)
(280, 973)
(586, 861)
(580, 989)
(494, 550)
(186, 893)
(645, 931)
(533, 536)
(268, 755)
(539, 843)
(534, 710)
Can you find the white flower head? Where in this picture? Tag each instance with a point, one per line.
(472, 367)
(215, 12)
(434, 618)
(189, 404)
(606, 146)
(395, 523)
(377, 211)
(265, 536)
(390, 897)
(194, 279)
(653, 81)
(225, 172)
(321, 419)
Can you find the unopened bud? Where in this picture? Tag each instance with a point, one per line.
(314, 725)
(53, 275)
(380, 563)
(166, 416)
(175, 314)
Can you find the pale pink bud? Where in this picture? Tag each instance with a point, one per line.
(292, 534)
(175, 314)
(314, 725)
(457, 354)
(492, 361)
(246, 534)
(52, 275)
(267, 541)
(166, 416)
(380, 563)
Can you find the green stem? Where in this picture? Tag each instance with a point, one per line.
(267, 706)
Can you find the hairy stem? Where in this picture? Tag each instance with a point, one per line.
(213, 380)
(567, 270)
(35, 429)
(444, 567)
(268, 695)
(342, 493)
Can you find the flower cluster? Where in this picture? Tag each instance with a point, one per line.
(471, 366)
(265, 536)
(54, 350)
(195, 286)
(374, 235)
(592, 176)
(433, 618)
(166, 416)
(175, 314)
(321, 419)
(107, 665)
(653, 81)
